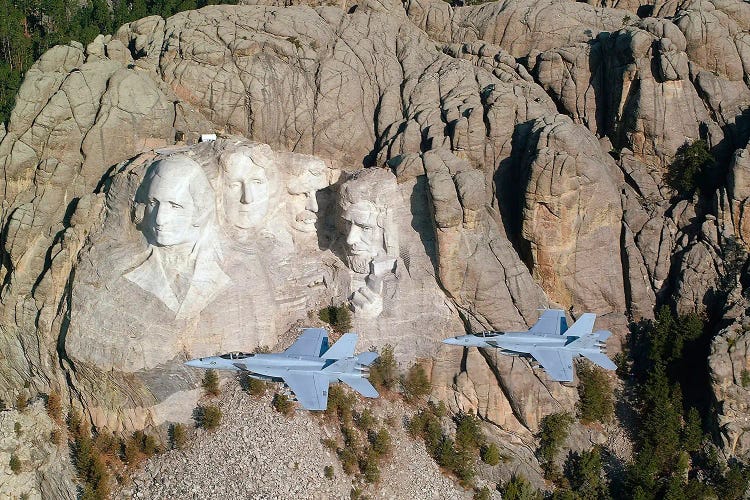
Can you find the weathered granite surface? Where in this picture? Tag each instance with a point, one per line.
(521, 148)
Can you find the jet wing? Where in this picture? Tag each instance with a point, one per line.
(311, 342)
(310, 388)
(551, 322)
(558, 363)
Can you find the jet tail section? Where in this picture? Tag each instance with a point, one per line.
(583, 326)
(590, 340)
(600, 359)
(343, 348)
(351, 363)
(367, 358)
(360, 384)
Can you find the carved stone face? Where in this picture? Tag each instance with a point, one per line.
(304, 204)
(364, 238)
(170, 209)
(245, 193)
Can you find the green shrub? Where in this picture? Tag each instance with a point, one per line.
(17, 428)
(74, 422)
(15, 464)
(490, 454)
(252, 385)
(519, 488)
(596, 402)
(178, 436)
(365, 420)
(584, 471)
(384, 371)
(138, 447)
(416, 384)
(211, 382)
(330, 443)
(469, 435)
(369, 467)
(745, 378)
(107, 445)
(381, 442)
(350, 437)
(340, 403)
(54, 407)
(552, 433)
(328, 471)
(283, 404)
(691, 169)
(339, 317)
(349, 461)
(90, 465)
(208, 417)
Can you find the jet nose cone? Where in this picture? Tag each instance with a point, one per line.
(195, 363)
(453, 341)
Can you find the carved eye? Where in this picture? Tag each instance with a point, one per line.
(175, 205)
(235, 185)
(258, 181)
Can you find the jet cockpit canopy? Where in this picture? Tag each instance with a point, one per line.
(236, 355)
(487, 334)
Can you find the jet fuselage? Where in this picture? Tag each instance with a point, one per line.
(266, 366)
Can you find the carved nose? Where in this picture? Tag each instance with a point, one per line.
(160, 215)
(353, 235)
(312, 202)
(247, 194)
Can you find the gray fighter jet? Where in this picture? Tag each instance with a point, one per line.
(308, 366)
(550, 342)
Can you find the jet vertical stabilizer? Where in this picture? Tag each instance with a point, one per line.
(343, 348)
(583, 326)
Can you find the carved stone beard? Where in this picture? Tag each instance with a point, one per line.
(360, 263)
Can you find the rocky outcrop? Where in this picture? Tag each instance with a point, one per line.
(521, 148)
(45, 469)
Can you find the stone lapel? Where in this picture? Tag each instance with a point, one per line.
(206, 283)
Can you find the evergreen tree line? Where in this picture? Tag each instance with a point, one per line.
(675, 455)
(29, 27)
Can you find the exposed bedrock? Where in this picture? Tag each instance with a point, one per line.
(519, 151)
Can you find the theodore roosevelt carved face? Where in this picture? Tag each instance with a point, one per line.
(370, 233)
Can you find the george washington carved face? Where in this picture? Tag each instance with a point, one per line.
(177, 201)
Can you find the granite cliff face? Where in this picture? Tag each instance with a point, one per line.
(517, 154)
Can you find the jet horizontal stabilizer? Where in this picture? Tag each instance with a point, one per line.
(600, 359)
(359, 384)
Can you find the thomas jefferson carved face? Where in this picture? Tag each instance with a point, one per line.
(172, 214)
(246, 192)
(304, 204)
(364, 238)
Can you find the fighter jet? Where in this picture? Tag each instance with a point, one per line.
(307, 367)
(550, 342)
